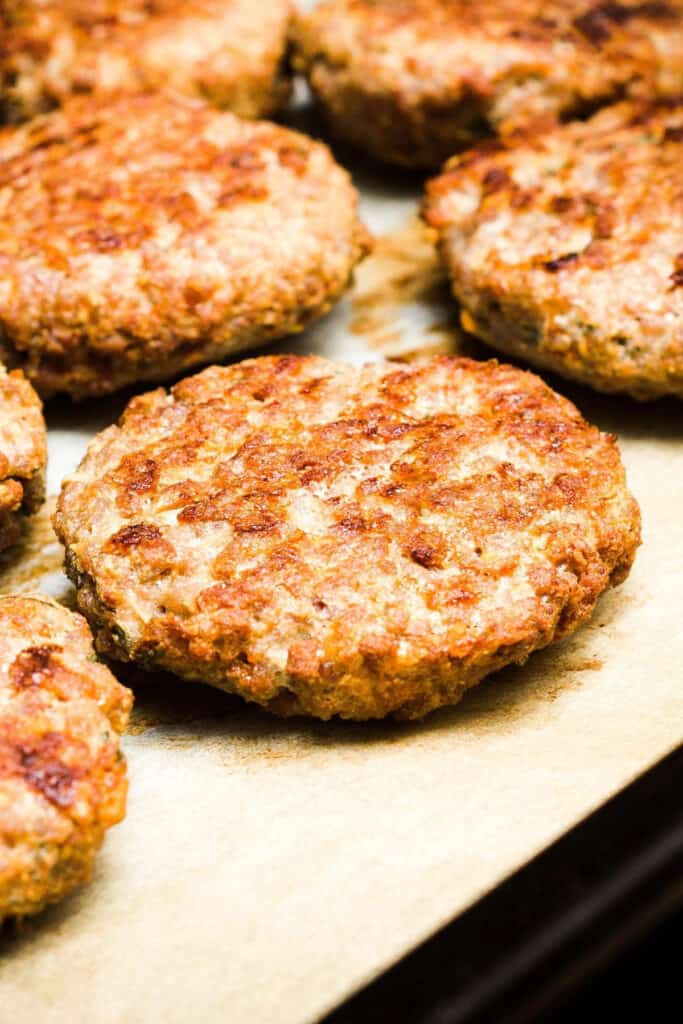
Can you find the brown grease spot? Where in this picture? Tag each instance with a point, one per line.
(240, 193)
(38, 763)
(595, 26)
(494, 180)
(605, 220)
(32, 665)
(352, 523)
(200, 511)
(677, 276)
(562, 204)
(427, 547)
(522, 198)
(589, 664)
(562, 261)
(425, 556)
(403, 270)
(293, 157)
(137, 474)
(255, 521)
(193, 296)
(38, 554)
(133, 536)
(245, 159)
(107, 240)
(597, 23)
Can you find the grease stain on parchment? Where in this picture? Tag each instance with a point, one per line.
(403, 277)
(35, 563)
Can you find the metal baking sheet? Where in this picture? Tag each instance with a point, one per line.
(267, 869)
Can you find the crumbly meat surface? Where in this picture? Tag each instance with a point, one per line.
(332, 540)
(414, 81)
(147, 235)
(566, 247)
(23, 454)
(230, 52)
(62, 776)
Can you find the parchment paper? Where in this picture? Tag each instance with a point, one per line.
(266, 869)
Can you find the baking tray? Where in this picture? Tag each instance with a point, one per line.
(520, 953)
(267, 870)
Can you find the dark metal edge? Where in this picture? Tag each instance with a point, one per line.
(537, 936)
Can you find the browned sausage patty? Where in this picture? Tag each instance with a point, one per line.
(62, 775)
(23, 454)
(144, 236)
(230, 52)
(566, 248)
(334, 540)
(413, 81)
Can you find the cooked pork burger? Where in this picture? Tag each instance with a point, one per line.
(333, 540)
(566, 248)
(62, 775)
(230, 52)
(146, 235)
(23, 455)
(414, 81)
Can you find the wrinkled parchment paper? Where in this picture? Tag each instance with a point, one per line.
(266, 869)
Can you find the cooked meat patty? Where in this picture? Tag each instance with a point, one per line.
(413, 81)
(230, 52)
(23, 455)
(566, 248)
(150, 234)
(62, 775)
(334, 540)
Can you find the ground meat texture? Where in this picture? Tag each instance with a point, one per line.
(62, 776)
(230, 52)
(415, 81)
(573, 261)
(23, 455)
(334, 540)
(146, 235)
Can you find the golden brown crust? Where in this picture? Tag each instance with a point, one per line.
(144, 236)
(62, 776)
(23, 454)
(324, 539)
(413, 82)
(230, 52)
(566, 247)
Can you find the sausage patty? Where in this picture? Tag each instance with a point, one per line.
(566, 247)
(414, 81)
(62, 775)
(23, 454)
(230, 52)
(146, 235)
(333, 540)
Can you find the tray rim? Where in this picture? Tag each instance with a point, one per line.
(551, 925)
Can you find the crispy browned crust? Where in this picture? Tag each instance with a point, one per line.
(23, 455)
(324, 539)
(62, 776)
(414, 82)
(142, 237)
(230, 52)
(566, 247)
